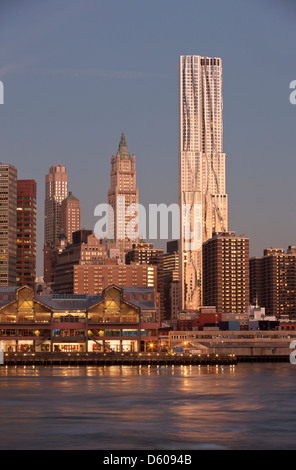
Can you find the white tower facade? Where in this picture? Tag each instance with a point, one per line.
(202, 197)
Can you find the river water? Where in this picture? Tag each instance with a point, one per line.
(247, 406)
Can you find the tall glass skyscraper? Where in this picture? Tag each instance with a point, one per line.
(202, 197)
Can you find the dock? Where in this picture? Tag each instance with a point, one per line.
(114, 359)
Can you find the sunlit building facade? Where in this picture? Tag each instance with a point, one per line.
(226, 272)
(70, 216)
(123, 197)
(202, 197)
(273, 281)
(56, 190)
(78, 323)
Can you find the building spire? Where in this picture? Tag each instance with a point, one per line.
(122, 148)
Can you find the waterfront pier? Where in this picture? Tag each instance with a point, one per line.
(111, 359)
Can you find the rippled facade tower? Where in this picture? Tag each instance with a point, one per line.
(202, 197)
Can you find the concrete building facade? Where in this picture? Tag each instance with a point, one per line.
(226, 272)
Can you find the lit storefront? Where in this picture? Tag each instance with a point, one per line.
(75, 323)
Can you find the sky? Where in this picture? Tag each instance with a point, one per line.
(76, 73)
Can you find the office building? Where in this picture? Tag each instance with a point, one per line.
(8, 224)
(171, 277)
(56, 190)
(86, 249)
(123, 197)
(26, 232)
(226, 272)
(93, 278)
(273, 282)
(70, 216)
(89, 265)
(202, 197)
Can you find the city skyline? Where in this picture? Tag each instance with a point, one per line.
(147, 215)
(63, 114)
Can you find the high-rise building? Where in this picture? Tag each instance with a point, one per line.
(70, 216)
(26, 232)
(202, 197)
(171, 276)
(123, 197)
(226, 272)
(56, 190)
(8, 217)
(273, 281)
(145, 253)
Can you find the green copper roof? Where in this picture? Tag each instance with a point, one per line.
(122, 149)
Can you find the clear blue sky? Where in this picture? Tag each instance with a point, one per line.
(77, 73)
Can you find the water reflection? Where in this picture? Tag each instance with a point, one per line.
(148, 407)
(78, 371)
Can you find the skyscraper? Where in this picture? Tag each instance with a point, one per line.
(26, 232)
(123, 197)
(8, 216)
(70, 216)
(202, 198)
(56, 190)
(226, 272)
(171, 275)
